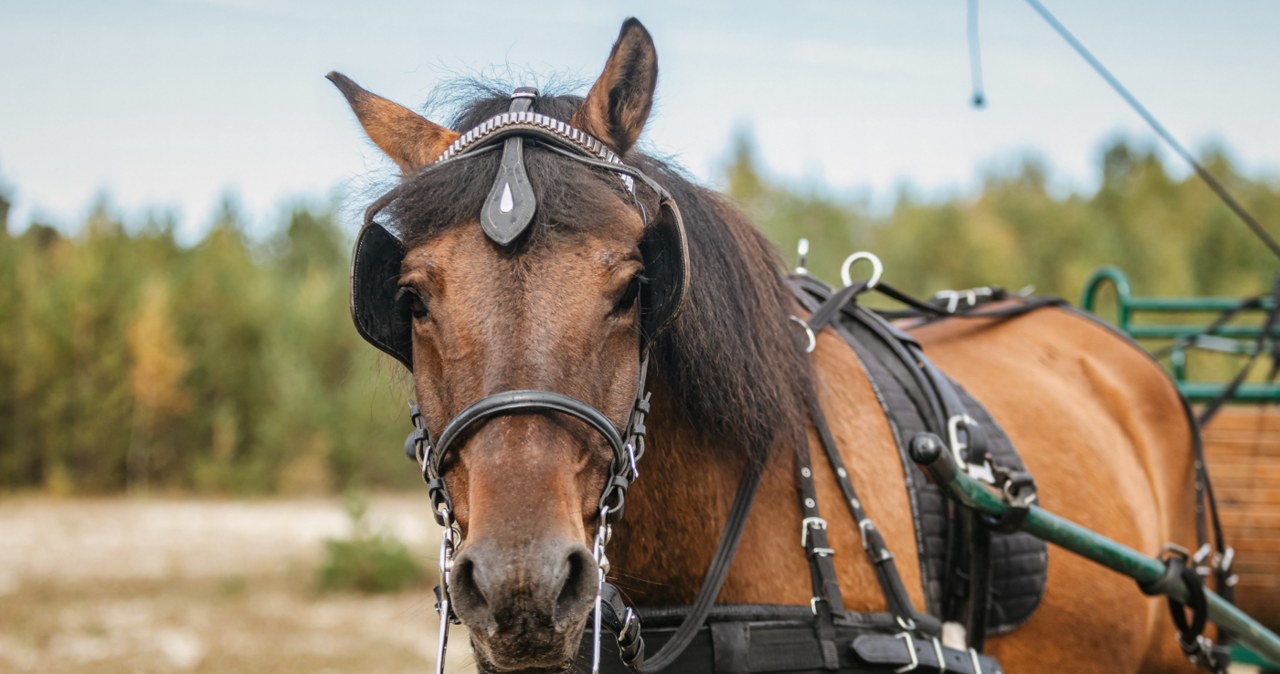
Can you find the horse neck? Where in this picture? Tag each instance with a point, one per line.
(676, 513)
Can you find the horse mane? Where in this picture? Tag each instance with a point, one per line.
(730, 362)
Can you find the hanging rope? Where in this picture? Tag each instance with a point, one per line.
(1155, 125)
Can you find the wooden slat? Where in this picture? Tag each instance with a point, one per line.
(1263, 472)
(1242, 447)
(1248, 418)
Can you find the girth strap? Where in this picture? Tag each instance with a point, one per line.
(780, 639)
(910, 654)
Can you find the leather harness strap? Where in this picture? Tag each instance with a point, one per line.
(827, 599)
(714, 578)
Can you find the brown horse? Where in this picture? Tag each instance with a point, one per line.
(555, 310)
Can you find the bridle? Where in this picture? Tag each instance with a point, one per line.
(504, 217)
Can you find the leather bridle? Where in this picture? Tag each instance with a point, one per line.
(504, 217)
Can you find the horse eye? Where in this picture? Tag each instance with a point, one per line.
(409, 301)
(628, 298)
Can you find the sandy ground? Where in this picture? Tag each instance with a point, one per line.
(161, 585)
(115, 586)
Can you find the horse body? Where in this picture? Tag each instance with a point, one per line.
(1095, 421)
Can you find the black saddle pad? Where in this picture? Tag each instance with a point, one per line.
(1019, 560)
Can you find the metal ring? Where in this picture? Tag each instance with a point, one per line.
(876, 268)
(808, 332)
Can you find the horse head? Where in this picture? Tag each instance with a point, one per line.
(522, 259)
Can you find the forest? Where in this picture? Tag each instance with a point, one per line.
(130, 362)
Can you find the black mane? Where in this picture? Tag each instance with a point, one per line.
(730, 362)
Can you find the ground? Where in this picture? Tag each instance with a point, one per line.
(129, 585)
(142, 586)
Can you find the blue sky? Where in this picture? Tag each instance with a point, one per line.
(173, 103)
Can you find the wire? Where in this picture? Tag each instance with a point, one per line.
(1155, 125)
(975, 57)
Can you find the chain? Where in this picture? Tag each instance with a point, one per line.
(603, 532)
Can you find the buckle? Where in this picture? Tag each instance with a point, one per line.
(977, 663)
(911, 653)
(937, 653)
(631, 458)
(958, 447)
(810, 523)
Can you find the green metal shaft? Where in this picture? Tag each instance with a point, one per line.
(1067, 534)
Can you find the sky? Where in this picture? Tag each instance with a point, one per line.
(172, 104)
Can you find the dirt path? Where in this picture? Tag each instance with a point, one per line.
(163, 585)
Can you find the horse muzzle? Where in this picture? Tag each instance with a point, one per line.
(525, 606)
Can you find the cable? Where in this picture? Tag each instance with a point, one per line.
(1151, 121)
(975, 57)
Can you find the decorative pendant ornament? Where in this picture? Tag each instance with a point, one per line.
(510, 206)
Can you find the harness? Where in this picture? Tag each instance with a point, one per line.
(702, 637)
(826, 637)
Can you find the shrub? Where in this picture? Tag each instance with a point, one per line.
(368, 561)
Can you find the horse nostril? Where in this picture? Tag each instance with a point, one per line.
(579, 585)
(463, 586)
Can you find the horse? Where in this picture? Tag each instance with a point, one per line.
(474, 306)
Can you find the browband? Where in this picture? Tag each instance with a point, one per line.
(511, 203)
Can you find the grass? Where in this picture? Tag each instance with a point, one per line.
(373, 562)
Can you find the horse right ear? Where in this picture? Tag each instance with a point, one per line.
(618, 104)
(409, 139)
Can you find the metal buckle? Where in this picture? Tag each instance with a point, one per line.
(865, 525)
(942, 658)
(911, 652)
(953, 435)
(807, 523)
(631, 457)
(977, 663)
(981, 471)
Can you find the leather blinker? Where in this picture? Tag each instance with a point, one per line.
(375, 275)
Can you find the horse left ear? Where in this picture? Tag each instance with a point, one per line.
(409, 139)
(618, 104)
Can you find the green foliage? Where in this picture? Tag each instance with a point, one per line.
(130, 362)
(369, 561)
(1172, 237)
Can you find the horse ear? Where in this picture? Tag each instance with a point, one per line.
(408, 138)
(618, 104)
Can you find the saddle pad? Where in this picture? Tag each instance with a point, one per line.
(1019, 561)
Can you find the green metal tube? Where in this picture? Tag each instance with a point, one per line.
(1067, 534)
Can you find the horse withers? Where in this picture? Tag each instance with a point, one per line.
(534, 273)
